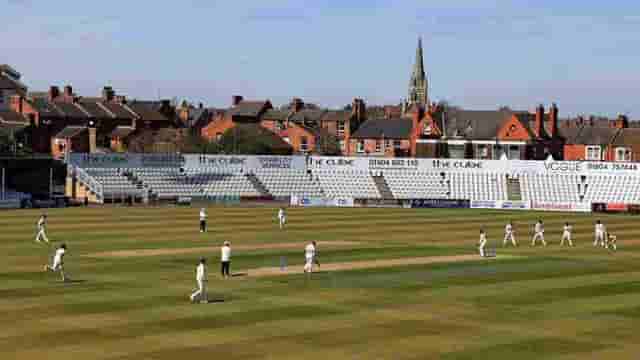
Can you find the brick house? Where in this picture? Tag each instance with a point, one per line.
(61, 119)
(10, 85)
(457, 133)
(241, 111)
(382, 137)
(601, 140)
(301, 125)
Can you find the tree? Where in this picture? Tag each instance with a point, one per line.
(14, 142)
(252, 139)
(328, 144)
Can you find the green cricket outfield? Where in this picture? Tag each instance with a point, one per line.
(393, 284)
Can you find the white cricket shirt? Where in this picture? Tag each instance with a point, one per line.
(225, 253)
(57, 258)
(309, 251)
(201, 272)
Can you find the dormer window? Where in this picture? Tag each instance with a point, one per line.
(427, 130)
(340, 127)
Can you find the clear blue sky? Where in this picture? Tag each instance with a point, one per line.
(582, 54)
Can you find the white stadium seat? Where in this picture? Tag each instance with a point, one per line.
(172, 182)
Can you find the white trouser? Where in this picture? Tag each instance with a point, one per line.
(308, 265)
(539, 235)
(566, 236)
(509, 237)
(42, 236)
(201, 292)
(481, 247)
(283, 220)
(599, 238)
(57, 266)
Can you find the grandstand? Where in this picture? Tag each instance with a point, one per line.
(489, 181)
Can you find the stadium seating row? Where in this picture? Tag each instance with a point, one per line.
(358, 184)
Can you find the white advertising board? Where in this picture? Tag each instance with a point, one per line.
(127, 160)
(561, 206)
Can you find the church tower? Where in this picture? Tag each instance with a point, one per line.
(418, 85)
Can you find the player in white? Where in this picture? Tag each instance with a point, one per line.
(42, 228)
(538, 233)
(203, 220)
(225, 259)
(309, 257)
(58, 262)
(282, 217)
(509, 235)
(599, 237)
(567, 234)
(201, 279)
(482, 242)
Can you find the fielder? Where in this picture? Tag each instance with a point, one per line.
(201, 279)
(567, 234)
(309, 256)
(611, 242)
(42, 227)
(599, 237)
(538, 233)
(203, 220)
(282, 218)
(509, 235)
(58, 262)
(225, 259)
(482, 242)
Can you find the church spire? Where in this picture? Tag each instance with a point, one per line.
(418, 67)
(418, 85)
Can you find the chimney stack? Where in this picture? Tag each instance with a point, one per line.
(553, 119)
(54, 92)
(108, 94)
(358, 109)
(200, 106)
(236, 99)
(68, 91)
(622, 122)
(296, 104)
(539, 121)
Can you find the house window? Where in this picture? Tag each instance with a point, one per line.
(482, 151)
(623, 154)
(304, 144)
(378, 146)
(456, 151)
(427, 130)
(594, 153)
(397, 144)
(387, 144)
(360, 146)
(340, 128)
(341, 142)
(514, 152)
(218, 137)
